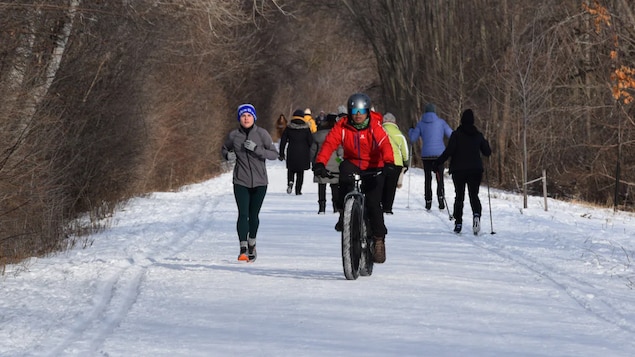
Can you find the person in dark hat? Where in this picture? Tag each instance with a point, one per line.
(464, 149)
(432, 130)
(297, 140)
(318, 119)
(249, 147)
(332, 165)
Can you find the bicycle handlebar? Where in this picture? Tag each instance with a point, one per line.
(366, 174)
(352, 175)
(330, 175)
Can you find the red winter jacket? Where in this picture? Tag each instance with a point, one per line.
(365, 148)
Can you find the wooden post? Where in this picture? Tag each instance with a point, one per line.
(544, 186)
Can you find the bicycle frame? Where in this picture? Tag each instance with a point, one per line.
(357, 246)
(357, 190)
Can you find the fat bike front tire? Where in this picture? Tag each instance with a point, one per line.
(352, 234)
(366, 261)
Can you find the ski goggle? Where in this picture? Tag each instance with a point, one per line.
(359, 111)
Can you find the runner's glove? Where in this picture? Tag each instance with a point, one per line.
(231, 156)
(249, 145)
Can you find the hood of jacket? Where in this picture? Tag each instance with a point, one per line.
(429, 117)
(298, 124)
(469, 130)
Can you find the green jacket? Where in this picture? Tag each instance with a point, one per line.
(399, 144)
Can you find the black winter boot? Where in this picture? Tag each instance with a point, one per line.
(458, 227)
(322, 209)
(339, 226)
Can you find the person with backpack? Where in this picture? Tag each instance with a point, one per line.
(432, 130)
(249, 147)
(402, 156)
(299, 139)
(366, 150)
(465, 147)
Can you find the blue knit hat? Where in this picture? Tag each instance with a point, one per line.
(247, 108)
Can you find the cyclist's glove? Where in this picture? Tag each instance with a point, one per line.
(320, 170)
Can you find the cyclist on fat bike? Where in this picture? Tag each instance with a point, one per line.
(366, 149)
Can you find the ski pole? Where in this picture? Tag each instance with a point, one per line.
(410, 159)
(489, 201)
(408, 204)
(439, 178)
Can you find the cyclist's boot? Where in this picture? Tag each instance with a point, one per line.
(379, 256)
(339, 226)
(251, 249)
(242, 256)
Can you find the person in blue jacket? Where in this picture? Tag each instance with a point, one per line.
(432, 130)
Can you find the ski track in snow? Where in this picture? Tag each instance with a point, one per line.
(117, 293)
(585, 294)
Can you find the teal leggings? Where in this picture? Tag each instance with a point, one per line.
(249, 201)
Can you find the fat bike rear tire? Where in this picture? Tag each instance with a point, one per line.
(352, 234)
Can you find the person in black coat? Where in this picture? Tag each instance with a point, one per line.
(465, 147)
(297, 135)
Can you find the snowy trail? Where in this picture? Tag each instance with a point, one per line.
(584, 293)
(120, 289)
(163, 281)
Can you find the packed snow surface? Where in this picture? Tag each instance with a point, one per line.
(163, 280)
